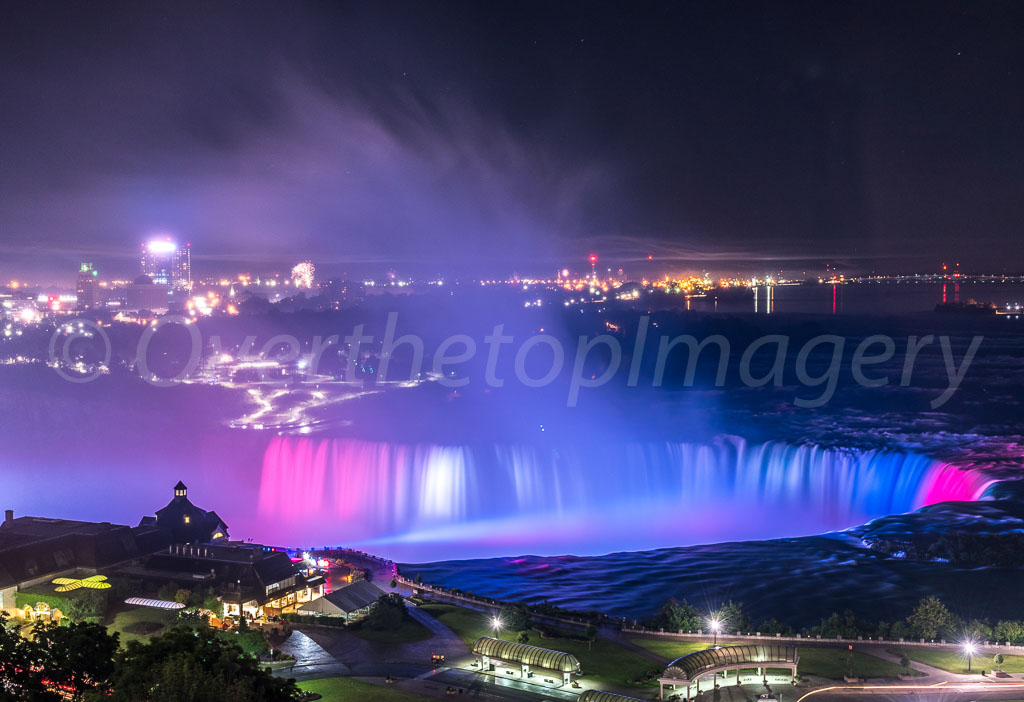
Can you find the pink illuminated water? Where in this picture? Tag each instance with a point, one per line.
(426, 501)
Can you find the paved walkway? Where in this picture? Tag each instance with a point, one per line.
(311, 660)
(444, 640)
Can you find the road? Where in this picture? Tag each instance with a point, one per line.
(952, 692)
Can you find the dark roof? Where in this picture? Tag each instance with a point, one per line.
(695, 664)
(34, 547)
(355, 596)
(241, 571)
(200, 525)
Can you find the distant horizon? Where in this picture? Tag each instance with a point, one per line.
(125, 266)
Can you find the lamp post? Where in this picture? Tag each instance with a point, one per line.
(969, 649)
(496, 625)
(715, 625)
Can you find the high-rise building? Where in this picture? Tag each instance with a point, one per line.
(88, 287)
(166, 263)
(144, 294)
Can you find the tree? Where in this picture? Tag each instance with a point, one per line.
(732, 617)
(188, 665)
(1010, 630)
(212, 603)
(79, 656)
(167, 591)
(85, 605)
(772, 626)
(998, 660)
(182, 596)
(905, 661)
(930, 618)
(899, 630)
(387, 614)
(21, 661)
(977, 630)
(591, 634)
(676, 616)
(516, 618)
(523, 638)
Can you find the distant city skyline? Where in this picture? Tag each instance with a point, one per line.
(200, 267)
(513, 138)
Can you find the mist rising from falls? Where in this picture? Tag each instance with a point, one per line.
(423, 502)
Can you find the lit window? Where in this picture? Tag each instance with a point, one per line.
(187, 519)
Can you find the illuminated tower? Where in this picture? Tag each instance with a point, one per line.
(168, 264)
(87, 288)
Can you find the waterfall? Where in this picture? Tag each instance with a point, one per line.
(590, 497)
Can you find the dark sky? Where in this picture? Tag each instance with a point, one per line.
(454, 136)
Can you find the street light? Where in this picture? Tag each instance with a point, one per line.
(969, 649)
(716, 626)
(496, 624)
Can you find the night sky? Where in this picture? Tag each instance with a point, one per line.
(462, 137)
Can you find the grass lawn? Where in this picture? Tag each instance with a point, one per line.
(823, 662)
(832, 662)
(410, 630)
(140, 623)
(955, 662)
(666, 648)
(351, 690)
(603, 662)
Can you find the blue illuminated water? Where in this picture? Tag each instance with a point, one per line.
(425, 502)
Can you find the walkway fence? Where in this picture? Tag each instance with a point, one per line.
(496, 605)
(995, 646)
(489, 603)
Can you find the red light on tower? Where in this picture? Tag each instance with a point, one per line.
(593, 259)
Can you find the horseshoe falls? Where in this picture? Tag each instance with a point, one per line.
(430, 502)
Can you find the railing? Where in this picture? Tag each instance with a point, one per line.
(487, 602)
(700, 635)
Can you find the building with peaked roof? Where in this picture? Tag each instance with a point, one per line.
(350, 602)
(491, 649)
(34, 550)
(250, 579)
(183, 544)
(187, 523)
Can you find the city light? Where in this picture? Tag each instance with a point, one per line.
(161, 246)
(715, 625)
(496, 624)
(970, 648)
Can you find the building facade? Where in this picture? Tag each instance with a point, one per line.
(166, 263)
(87, 288)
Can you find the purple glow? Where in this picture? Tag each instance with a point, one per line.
(429, 501)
